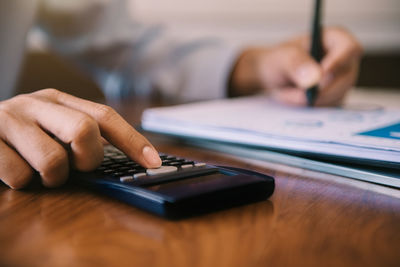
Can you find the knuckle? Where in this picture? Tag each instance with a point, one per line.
(106, 113)
(15, 101)
(8, 113)
(14, 108)
(53, 161)
(85, 128)
(21, 99)
(48, 92)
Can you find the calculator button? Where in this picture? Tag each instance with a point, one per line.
(162, 170)
(107, 163)
(132, 171)
(177, 164)
(118, 174)
(139, 175)
(115, 166)
(187, 166)
(131, 164)
(111, 154)
(200, 164)
(126, 179)
(122, 161)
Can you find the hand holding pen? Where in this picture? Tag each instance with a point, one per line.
(288, 70)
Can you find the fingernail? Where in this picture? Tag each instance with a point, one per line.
(151, 157)
(308, 75)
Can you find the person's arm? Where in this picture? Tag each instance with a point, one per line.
(123, 53)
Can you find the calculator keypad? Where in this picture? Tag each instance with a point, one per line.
(116, 164)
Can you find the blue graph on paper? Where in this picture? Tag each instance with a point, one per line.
(391, 131)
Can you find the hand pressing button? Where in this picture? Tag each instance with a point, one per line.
(162, 170)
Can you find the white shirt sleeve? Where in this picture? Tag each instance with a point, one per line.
(125, 55)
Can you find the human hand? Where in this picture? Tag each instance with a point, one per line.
(50, 132)
(287, 70)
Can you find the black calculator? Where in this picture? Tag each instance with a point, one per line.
(179, 188)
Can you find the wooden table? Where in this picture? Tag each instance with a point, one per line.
(312, 219)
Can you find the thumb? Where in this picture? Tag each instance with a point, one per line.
(302, 69)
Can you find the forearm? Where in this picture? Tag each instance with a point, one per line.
(122, 53)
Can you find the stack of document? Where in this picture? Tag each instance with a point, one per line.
(361, 133)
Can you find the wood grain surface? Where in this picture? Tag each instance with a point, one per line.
(312, 219)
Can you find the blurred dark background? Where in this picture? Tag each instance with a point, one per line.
(42, 70)
(45, 70)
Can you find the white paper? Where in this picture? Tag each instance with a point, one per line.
(258, 121)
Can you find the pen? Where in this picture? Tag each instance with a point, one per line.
(316, 48)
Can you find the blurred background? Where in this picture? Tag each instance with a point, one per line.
(376, 23)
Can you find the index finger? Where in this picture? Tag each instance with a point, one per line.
(112, 127)
(341, 49)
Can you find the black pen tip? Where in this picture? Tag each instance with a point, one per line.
(311, 95)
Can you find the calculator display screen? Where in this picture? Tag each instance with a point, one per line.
(191, 182)
(192, 186)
